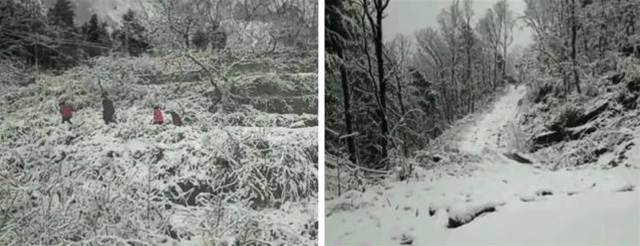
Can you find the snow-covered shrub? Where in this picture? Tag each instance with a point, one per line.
(631, 67)
(591, 90)
(252, 35)
(540, 90)
(12, 73)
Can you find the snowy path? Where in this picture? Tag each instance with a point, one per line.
(483, 135)
(531, 206)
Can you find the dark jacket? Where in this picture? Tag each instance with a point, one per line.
(176, 119)
(108, 110)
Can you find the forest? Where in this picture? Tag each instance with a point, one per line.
(454, 135)
(183, 122)
(391, 98)
(388, 100)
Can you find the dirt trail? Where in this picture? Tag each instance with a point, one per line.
(495, 201)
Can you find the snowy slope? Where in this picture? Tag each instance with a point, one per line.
(221, 177)
(492, 200)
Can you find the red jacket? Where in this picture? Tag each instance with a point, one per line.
(66, 111)
(157, 116)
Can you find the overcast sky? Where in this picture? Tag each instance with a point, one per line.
(408, 16)
(109, 10)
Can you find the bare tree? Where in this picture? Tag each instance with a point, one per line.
(504, 26)
(449, 21)
(336, 36)
(573, 19)
(468, 41)
(374, 16)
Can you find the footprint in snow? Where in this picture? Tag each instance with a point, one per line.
(405, 239)
(539, 193)
(544, 192)
(525, 198)
(626, 188)
(571, 193)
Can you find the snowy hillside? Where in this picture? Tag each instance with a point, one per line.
(245, 173)
(471, 193)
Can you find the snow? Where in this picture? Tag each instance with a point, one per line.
(484, 134)
(122, 182)
(586, 206)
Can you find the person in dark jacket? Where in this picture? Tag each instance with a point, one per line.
(175, 118)
(157, 116)
(66, 111)
(107, 109)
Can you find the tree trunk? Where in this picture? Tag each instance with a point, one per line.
(574, 31)
(403, 111)
(495, 69)
(382, 84)
(346, 92)
(468, 80)
(504, 59)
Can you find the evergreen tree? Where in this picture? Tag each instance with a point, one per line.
(65, 51)
(95, 34)
(132, 36)
(14, 23)
(93, 29)
(62, 14)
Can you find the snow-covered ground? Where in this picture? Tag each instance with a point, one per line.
(240, 176)
(492, 200)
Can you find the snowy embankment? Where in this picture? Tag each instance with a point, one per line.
(492, 200)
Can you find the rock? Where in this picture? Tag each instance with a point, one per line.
(578, 132)
(518, 157)
(544, 192)
(432, 211)
(551, 137)
(592, 113)
(459, 216)
(626, 188)
(406, 239)
(546, 138)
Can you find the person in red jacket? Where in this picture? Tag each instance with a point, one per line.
(66, 111)
(157, 115)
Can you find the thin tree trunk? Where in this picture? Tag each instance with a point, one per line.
(574, 32)
(468, 80)
(376, 25)
(495, 69)
(403, 111)
(346, 92)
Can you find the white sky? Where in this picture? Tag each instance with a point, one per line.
(409, 16)
(109, 10)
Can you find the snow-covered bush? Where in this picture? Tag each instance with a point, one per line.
(540, 90)
(228, 175)
(12, 73)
